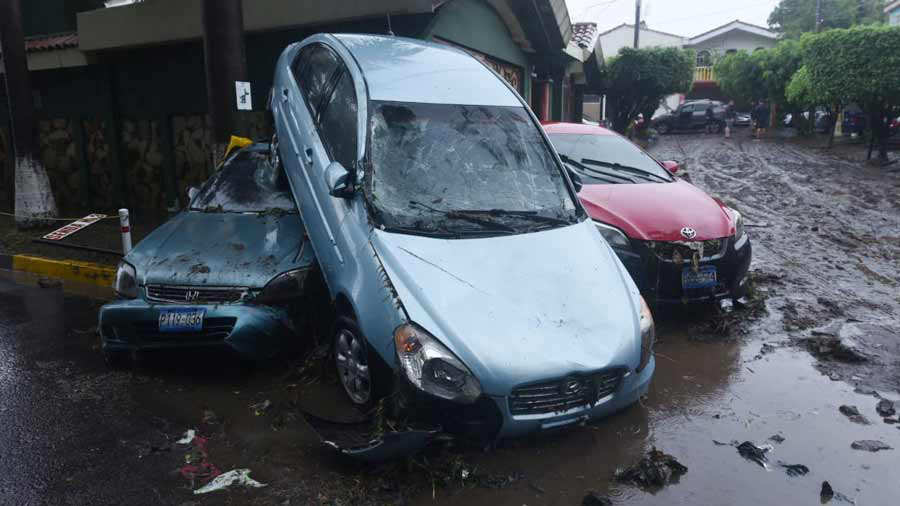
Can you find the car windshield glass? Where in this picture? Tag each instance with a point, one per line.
(458, 167)
(613, 153)
(247, 183)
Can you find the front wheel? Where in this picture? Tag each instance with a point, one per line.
(359, 368)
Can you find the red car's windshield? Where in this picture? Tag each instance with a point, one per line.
(605, 159)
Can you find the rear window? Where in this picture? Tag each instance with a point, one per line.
(246, 183)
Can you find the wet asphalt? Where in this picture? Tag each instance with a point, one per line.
(826, 237)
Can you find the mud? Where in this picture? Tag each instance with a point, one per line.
(73, 429)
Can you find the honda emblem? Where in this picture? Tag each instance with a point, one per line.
(191, 295)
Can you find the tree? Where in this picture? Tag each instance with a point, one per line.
(637, 80)
(792, 18)
(740, 76)
(861, 65)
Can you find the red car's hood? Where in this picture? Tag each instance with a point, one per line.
(657, 211)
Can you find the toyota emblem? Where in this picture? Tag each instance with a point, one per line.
(688, 233)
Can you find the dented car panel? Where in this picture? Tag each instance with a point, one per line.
(447, 228)
(229, 271)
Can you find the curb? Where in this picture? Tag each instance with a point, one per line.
(68, 270)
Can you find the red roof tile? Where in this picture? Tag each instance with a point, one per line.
(51, 42)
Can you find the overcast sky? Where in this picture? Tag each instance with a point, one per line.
(682, 17)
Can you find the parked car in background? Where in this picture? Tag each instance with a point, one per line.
(468, 280)
(894, 127)
(823, 122)
(855, 122)
(690, 115)
(229, 271)
(678, 243)
(742, 119)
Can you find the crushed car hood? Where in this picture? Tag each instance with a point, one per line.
(519, 308)
(221, 249)
(658, 211)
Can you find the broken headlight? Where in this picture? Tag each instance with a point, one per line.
(648, 335)
(126, 281)
(432, 368)
(615, 237)
(283, 287)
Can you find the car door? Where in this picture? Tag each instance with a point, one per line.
(306, 94)
(685, 117)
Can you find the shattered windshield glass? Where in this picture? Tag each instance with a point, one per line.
(609, 159)
(454, 168)
(247, 183)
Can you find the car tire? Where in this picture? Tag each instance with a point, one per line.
(717, 127)
(362, 374)
(662, 128)
(117, 360)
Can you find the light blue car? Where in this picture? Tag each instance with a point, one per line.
(230, 271)
(466, 275)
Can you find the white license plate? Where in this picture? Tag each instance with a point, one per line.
(181, 319)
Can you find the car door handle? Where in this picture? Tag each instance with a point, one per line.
(307, 155)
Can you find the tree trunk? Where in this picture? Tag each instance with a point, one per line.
(226, 63)
(33, 196)
(834, 115)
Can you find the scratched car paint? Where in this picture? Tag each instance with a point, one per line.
(467, 277)
(228, 271)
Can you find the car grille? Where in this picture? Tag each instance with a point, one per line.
(666, 251)
(214, 330)
(563, 394)
(195, 294)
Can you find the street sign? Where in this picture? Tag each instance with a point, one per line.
(244, 98)
(73, 227)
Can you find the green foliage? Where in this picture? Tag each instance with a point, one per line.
(637, 80)
(762, 74)
(800, 93)
(792, 18)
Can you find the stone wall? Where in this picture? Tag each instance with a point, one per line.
(193, 163)
(59, 152)
(100, 169)
(143, 161)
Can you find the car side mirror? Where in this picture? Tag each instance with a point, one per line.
(192, 192)
(337, 178)
(576, 179)
(672, 166)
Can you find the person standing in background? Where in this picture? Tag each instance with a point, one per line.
(730, 116)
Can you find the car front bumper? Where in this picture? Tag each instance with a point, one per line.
(489, 419)
(659, 280)
(252, 331)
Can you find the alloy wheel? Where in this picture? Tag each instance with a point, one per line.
(351, 358)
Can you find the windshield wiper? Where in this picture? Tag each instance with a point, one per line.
(529, 215)
(476, 218)
(626, 168)
(590, 172)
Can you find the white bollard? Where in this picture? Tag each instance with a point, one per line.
(126, 231)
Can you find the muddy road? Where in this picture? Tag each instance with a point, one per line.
(821, 332)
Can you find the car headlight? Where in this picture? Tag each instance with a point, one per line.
(126, 281)
(648, 335)
(738, 223)
(615, 237)
(432, 368)
(285, 286)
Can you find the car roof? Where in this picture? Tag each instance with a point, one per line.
(575, 128)
(400, 69)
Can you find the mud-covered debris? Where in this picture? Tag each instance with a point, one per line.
(209, 417)
(828, 347)
(754, 453)
(794, 470)
(49, 283)
(870, 445)
(653, 471)
(225, 480)
(891, 421)
(260, 408)
(865, 390)
(199, 269)
(852, 412)
(766, 349)
(187, 437)
(827, 494)
(885, 408)
(595, 499)
(777, 438)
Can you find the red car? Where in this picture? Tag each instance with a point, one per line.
(678, 243)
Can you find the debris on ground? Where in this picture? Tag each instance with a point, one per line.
(49, 283)
(852, 412)
(209, 417)
(827, 494)
(777, 438)
(653, 471)
(196, 462)
(870, 445)
(260, 408)
(891, 421)
(754, 453)
(794, 470)
(864, 390)
(595, 499)
(885, 408)
(225, 480)
(830, 347)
